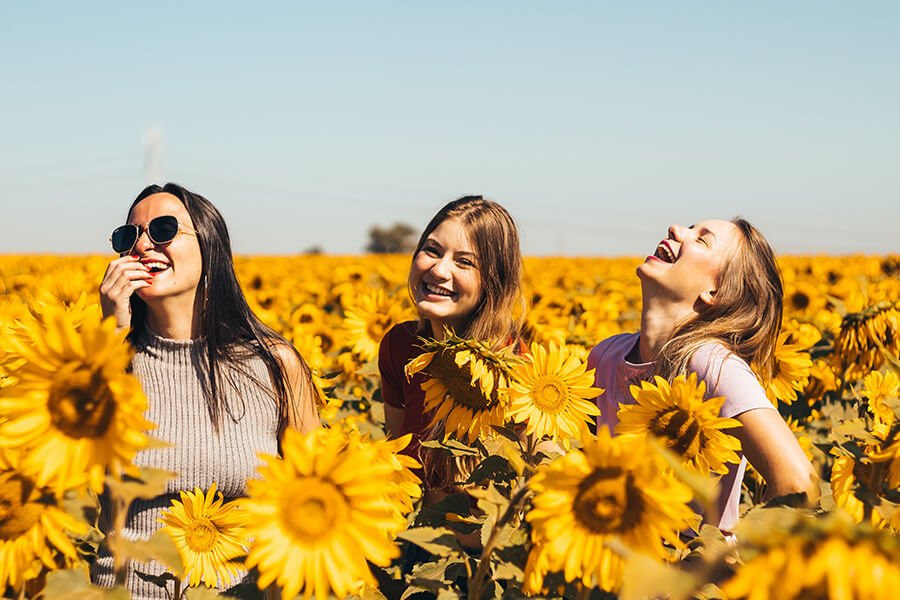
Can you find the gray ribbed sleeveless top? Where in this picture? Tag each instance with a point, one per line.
(171, 372)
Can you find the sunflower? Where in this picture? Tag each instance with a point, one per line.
(552, 392)
(822, 380)
(34, 531)
(406, 486)
(73, 409)
(803, 298)
(369, 319)
(800, 432)
(863, 335)
(688, 424)
(878, 388)
(845, 473)
(614, 488)
(320, 513)
(805, 335)
(828, 557)
(791, 373)
(466, 385)
(209, 535)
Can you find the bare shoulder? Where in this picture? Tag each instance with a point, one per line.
(287, 355)
(302, 413)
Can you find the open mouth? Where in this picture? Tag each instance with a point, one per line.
(664, 253)
(436, 290)
(156, 267)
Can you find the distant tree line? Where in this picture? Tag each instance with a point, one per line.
(399, 238)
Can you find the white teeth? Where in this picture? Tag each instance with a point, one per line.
(436, 290)
(663, 252)
(156, 266)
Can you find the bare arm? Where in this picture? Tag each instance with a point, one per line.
(768, 442)
(393, 419)
(302, 414)
(772, 449)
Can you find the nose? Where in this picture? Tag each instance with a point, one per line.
(676, 232)
(143, 241)
(441, 268)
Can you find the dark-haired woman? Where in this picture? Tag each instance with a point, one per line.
(711, 304)
(221, 386)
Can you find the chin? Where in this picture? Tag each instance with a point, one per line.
(641, 271)
(425, 312)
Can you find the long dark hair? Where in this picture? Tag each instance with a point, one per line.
(498, 316)
(229, 329)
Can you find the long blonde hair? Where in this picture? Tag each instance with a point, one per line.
(746, 314)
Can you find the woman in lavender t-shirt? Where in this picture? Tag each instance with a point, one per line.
(712, 303)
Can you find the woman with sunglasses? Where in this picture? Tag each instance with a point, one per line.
(221, 385)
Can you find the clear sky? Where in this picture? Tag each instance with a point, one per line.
(595, 123)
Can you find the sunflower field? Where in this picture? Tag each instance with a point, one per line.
(540, 507)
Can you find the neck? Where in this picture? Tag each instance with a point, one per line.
(175, 318)
(437, 329)
(658, 323)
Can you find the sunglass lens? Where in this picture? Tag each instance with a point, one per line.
(123, 238)
(163, 229)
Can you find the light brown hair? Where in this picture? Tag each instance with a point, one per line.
(746, 314)
(497, 318)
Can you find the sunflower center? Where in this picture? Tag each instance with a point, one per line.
(81, 404)
(458, 381)
(312, 509)
(681, 429)
(549, 393)
(800, 300)
(608, 502)
(17, 514)
(201, 535)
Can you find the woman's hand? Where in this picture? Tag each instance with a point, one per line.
(124, 276)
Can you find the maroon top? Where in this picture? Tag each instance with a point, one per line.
(399, 346)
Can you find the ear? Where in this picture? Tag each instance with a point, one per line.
(708, 297)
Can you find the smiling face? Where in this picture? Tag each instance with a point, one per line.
(444, 277)
(176, 266)
(686, 266)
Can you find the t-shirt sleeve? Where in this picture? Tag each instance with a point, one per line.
(605, 358)
(392, 377)
(729, 375)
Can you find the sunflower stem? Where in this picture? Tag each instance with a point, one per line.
(531, 445)
(119, 514)
(476, 582)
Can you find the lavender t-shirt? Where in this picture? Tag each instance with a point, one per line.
(725, 375)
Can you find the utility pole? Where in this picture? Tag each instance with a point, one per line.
(153, 167)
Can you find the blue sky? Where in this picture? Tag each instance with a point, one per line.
(595, 123)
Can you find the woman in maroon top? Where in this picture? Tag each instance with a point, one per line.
(466, 275)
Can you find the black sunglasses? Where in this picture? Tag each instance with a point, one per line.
(160, 230)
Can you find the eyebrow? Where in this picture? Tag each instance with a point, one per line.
(432, 240)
